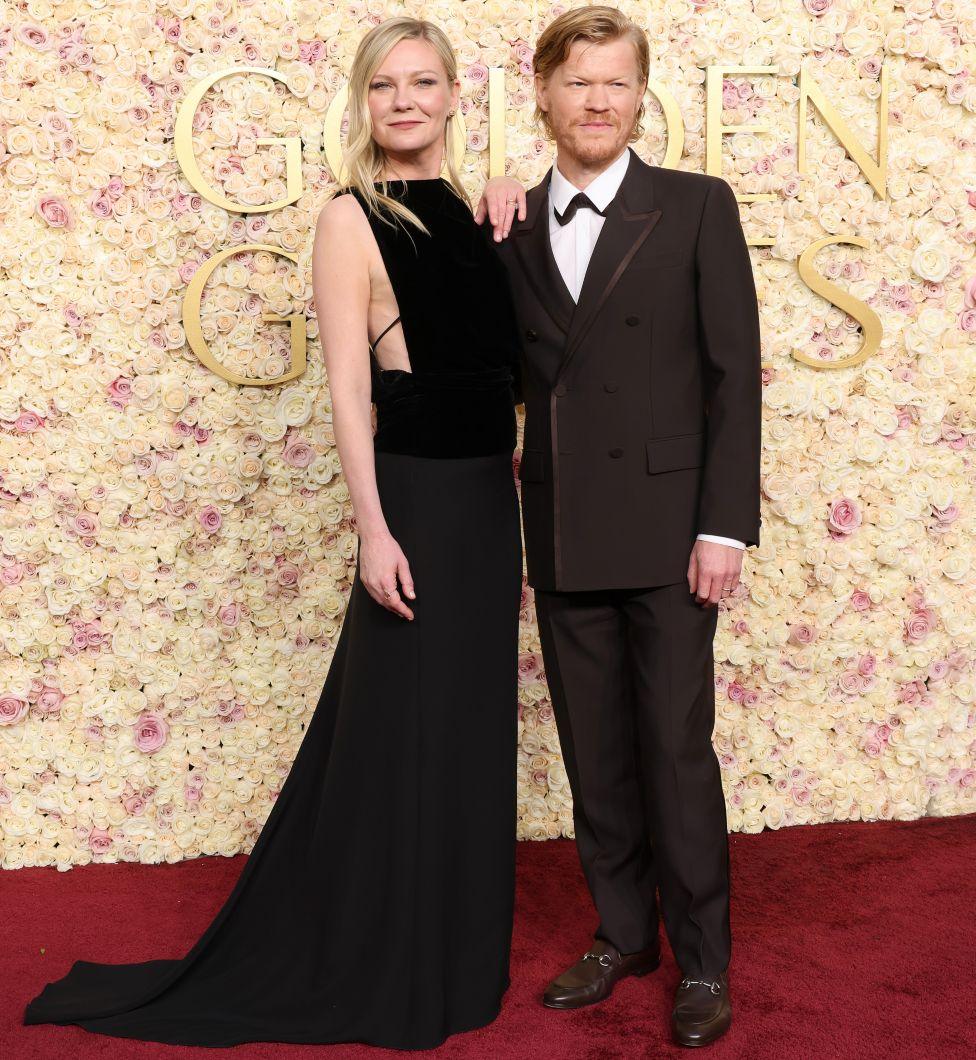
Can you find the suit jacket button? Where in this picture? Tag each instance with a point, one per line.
(632, 322)
(559, 389)
(611, 388)
(531, 335)
(616, 452)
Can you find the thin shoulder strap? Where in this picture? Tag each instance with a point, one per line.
(373, 345)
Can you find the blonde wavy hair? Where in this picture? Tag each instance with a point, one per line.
(597, 25)
(363, 157)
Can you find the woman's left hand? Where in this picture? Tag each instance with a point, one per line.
(499, 200)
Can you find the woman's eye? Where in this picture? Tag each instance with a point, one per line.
(426, 81)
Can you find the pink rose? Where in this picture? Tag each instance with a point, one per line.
(287, 575)
(99, 840)
(297, 452)
(946, 515)
(135, 805)
(860, 600)
(84, 524)
(56, 212)
(920, 624)
(100, 205)
(938, 669)
(477, 72)
(230, 614)
(27, 422)
(528, 669)
(849, 682)
(911, 692)
(12, 574)
(967, 320)
(845, 517)
(802, 633)
(120, 391)
(210, 519)
(50, 700)
(186, 270)
(12, 709)
(817, 7)
(150, 733)
(867, 665)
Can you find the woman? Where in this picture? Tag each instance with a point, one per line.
(376, 905)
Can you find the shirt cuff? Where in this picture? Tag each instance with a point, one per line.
(722, 540)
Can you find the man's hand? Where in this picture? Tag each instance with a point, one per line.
(499, 200)
(712, 568)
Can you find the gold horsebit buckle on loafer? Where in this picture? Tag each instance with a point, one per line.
(604, 958)
(714, 986)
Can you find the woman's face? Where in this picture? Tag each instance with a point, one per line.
(409, 100)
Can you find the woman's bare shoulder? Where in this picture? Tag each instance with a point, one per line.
(340, 216)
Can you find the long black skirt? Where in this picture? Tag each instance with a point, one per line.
(376, 904)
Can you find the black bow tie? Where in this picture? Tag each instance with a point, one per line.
(577, 201)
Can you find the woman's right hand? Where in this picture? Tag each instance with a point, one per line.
(381, 562)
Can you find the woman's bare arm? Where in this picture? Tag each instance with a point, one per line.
(341, 287)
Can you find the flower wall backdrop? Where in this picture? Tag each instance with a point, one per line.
(176, 550)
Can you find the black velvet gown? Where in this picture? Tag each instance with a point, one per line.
(376, 904)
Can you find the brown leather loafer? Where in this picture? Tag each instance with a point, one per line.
(592, 978)
(702, 1010)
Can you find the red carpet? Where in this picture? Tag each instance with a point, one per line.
(849, 941)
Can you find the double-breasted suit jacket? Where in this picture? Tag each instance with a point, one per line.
(642, 400)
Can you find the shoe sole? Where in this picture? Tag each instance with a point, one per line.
(636, 974)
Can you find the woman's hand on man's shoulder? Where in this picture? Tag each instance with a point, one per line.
(501, 199)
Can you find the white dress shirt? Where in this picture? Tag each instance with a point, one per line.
(573, 242)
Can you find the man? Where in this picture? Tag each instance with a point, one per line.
(640, 490)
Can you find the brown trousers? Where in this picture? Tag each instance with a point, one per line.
(631, 677)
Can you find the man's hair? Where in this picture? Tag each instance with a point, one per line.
(599, 25)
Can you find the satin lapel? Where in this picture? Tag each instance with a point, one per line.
(534, 251)
(630, 220)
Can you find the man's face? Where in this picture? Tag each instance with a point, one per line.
(592, 100)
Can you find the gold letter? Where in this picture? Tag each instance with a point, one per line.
(183, 138)
(496, 121)
(863, 314)
(194, 331)
(715, 130)
(672, 122)
(877, 173)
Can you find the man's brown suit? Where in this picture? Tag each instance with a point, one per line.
(642, 429)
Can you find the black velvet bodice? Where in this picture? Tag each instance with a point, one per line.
(459, 327)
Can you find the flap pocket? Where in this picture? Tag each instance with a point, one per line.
(532, 467)
(662, 260)
(675, 453)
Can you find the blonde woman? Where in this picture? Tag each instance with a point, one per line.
(376, 905)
